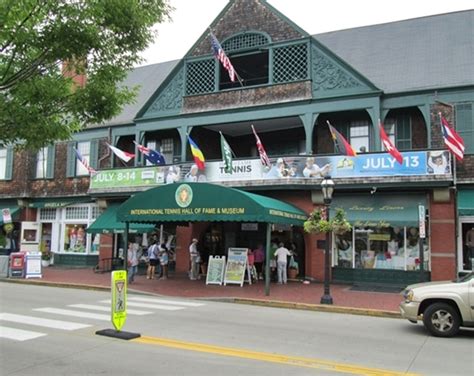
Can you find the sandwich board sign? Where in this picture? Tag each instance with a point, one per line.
(237, 262)
(119, 298)
(215, 270)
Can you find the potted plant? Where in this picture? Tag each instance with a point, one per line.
(45, 258)
(317, 222)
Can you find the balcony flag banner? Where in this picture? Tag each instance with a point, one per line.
(84, 163)
(452, 139)
(340, 143)
(152, 156)
(261, 150)
(220, 55)
(226, 155)
(391, 149)
(123, 155)
(197, 154)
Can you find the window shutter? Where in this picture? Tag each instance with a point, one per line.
(465, 125)
(94, 153)
(71, 160)
(9, 163)
(50, 162)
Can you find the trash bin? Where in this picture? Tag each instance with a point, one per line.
(17, 265)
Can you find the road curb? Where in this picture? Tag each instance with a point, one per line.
(55, 284)
(319, 307)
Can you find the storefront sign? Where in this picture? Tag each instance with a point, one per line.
(119, 298)
(422, 163)
(421, 225)
(215, 270)
(236, 264)
(133, 177)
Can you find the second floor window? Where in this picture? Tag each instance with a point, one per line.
(85, 150)
(3, 163)
(359, 136)
(41, 163)
(398, 129)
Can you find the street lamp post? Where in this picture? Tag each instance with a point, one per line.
(327, 186)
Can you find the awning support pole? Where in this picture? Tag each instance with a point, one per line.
(267, 259)
(125, 247)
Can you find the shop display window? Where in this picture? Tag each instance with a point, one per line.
(75, 238)
(381, 248)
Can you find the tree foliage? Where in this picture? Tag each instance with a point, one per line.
(102, 39)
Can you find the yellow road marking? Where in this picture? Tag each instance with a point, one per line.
(268, 357)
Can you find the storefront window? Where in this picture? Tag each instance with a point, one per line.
(381, 248)
(75, 238)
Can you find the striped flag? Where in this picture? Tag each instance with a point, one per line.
(220, 55)
(261, 150)
(340, 143)
(389, 145)
(84, 163)
(453, 141)
(197, 154)
(123, 155)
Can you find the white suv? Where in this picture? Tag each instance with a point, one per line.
(443, 306)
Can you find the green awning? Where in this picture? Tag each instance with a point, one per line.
(13, 211)
(466, 202)
(196, 202)
(380, 209)
(53, 203)
(107, 223)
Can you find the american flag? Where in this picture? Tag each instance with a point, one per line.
(453, 141)
(261, 150)
(84, 162)
(220, 55)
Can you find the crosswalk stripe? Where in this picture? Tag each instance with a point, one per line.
(38, 321)
(147, 305)
(68, 312)
(164, 301)
(108, 309)
(18, 334)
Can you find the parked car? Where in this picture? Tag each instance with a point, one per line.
(443, 306)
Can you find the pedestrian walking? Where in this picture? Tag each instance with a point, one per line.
(132, 261)
(164, 259)
(153, 260)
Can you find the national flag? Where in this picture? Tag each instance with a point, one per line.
(341, 144)
(84, 162)
(197, 154)
(261, 150)
(452, 139)
(220, 55)
(226, 155)
(123, 155)
(389, 145)
(151, 155)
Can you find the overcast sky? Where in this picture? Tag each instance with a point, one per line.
(191, 18)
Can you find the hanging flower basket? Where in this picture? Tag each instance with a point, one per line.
(316, 222)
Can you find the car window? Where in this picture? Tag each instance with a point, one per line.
(465, 278)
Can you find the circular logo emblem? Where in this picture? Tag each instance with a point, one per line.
(8, 227)
(184, 195)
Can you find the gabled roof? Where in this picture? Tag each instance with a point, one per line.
(418, 54)
(148, 78)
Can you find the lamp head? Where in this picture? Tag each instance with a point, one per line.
(327, 186)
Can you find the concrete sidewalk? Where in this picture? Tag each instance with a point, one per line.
(293, 295)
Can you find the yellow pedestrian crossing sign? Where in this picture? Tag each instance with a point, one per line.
(119, 298)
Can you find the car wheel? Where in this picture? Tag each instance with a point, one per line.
(441, 320)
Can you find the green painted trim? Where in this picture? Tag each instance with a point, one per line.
(344, 64)
(89, 134)
(9, 163)
(64, 259)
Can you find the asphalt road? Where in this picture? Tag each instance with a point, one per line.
(48, 330)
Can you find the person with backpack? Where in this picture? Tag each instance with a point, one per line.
(153, 253)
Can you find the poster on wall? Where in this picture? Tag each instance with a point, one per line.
(237, 262)
(215, 270)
